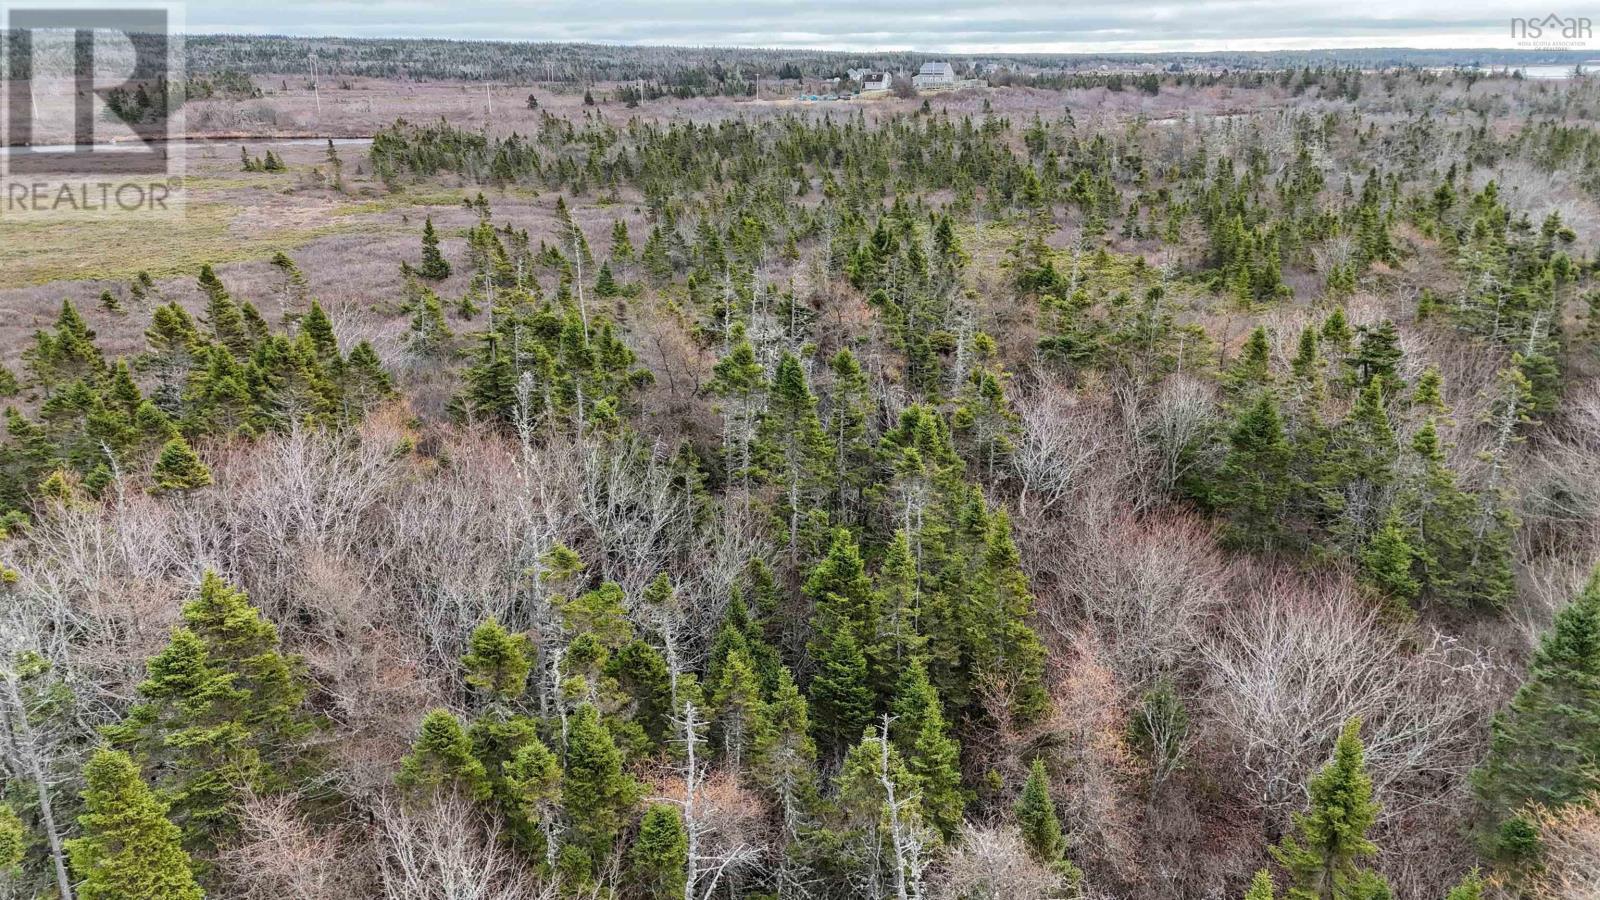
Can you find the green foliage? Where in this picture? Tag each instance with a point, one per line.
(1254, 482)
(1387, 561)
(596, 795)
(179, 468)
(13, 840)
(1470, 888)
(1261, 887)
(442, 760)
(659, 856)
(497, 661)
(841, 693)
(1545, 746)
(1037, 818)
(932, 757)
(221, 711)
(129, 850)
(785, 756)
(1324, 852)
(533, 795)
(434, 266)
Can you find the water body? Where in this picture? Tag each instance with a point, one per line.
(1552, 72)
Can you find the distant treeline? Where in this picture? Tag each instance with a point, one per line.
(497, 60)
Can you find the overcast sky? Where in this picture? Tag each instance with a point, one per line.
(960, 26)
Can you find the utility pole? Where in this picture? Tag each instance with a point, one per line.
(316, 89)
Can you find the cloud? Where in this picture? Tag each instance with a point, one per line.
(952, 25)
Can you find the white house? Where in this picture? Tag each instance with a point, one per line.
(857, 74)
(933, 74)
(875, 82)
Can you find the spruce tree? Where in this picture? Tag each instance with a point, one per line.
(657, 863)
(442, 760)
(497, 662)
(850, 412)
(1254, 482)
(792, 451)
(1036, 817)
(596, 794)
(533, 797)
(1545, 746)
(221, 711)
(931, 755)
(178, 469)
(1252, 370)
(224, 316)
(13, 840)
(1324, 852)
(740, 383)
(129, 849)
(1387, 560)
(1470, 888)
(316, 324)
(736, 699)
(841, 693)
(1261, 887)
(434, 266)
(1001, 645)
(785, 756)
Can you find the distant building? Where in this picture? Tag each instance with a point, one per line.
(875, 82)
(857, 74)
(934, 74)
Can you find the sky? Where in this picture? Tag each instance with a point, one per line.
(956, 26)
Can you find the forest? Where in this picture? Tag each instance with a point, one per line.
(993, 494)
(423, 59)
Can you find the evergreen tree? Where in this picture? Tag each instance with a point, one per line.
(1378, 355)
(658, 862)
(596, 795)
(224, 316)
(1545, 745)
(740, 383)
(316, 325)
(841, 694)
(984, 419)
(1261, 887)
(429, 335)
(931, 755)
(129, 849)
(850, 411)
(1254, 482)
(784, 754)
(736, 698)
(1252, 370)
(791, 449)
(533, 798)
(434, 266)
(442, 759)
(1387, 560)
(1323, 853)
(178, 469)
(497, 662)
(1455, 563)
(1036, 816)
(13, 840)
(221, 711)
(1470, 888)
